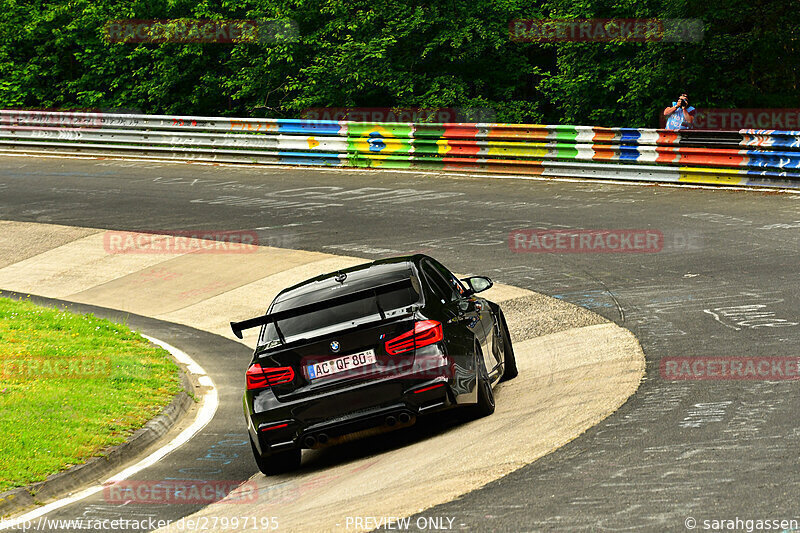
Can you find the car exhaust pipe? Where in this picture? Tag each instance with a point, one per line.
(404, 418)
(310, 441)
(322, 438)
(391, 420)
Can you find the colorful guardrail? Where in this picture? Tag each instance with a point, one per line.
(764, 158)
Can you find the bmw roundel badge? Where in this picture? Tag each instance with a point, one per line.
(335, 346)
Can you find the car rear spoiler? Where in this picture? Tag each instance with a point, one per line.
(372, 292)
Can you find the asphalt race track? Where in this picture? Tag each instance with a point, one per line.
(724, 284)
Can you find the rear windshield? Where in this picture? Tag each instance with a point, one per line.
(341, 316)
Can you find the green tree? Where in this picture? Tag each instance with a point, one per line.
(377, 53)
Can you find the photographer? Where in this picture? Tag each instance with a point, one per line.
(681, 114)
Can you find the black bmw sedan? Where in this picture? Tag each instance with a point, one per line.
(370, 349)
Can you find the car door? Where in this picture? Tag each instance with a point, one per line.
(472, 310)
(460, 330)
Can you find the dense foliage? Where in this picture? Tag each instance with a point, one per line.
(381, 53)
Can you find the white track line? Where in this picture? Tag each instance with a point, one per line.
(681, 185)
(204, 416)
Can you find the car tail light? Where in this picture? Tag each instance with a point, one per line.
(259, 377)
(425, 332)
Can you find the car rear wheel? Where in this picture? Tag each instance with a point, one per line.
(509, 361)
(277, 463)
(485, 405)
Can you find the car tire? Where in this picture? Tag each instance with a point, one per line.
(485, 405)
(277, 463)
(509, 360)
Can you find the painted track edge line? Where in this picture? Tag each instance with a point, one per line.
(203, 417)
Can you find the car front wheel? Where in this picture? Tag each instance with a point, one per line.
(509, 361)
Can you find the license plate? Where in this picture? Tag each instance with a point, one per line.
(341, 364)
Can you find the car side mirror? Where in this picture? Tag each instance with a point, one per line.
(478, 283)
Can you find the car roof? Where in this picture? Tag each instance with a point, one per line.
(357, 278)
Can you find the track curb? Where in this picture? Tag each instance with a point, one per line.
(54, 260)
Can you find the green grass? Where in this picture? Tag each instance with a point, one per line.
(70, 386)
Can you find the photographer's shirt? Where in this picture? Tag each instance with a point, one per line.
(675, 120)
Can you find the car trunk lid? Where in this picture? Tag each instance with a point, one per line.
(341, 359)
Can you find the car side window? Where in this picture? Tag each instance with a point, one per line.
(439, 284)
(451, 279)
